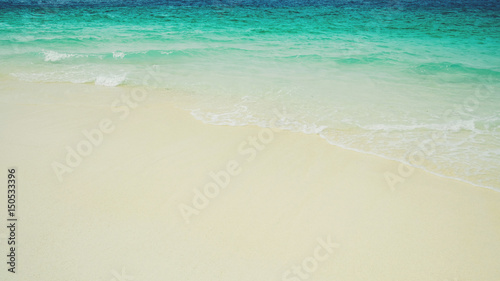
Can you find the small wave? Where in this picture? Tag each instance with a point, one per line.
(55, 56)
(241, 116)
(118, 55)
(22, 38)
(447, 67)
(384, 140)
(110, 81)
(468, 125)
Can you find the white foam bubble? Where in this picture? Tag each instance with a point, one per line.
(110, 80)
(241, 116)
(454, 126)
(55, 56)
(118, 55)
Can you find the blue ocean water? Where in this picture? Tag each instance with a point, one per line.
(393, 78)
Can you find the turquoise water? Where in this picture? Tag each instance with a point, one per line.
(384, 77)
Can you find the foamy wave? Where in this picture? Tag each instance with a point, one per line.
(390, 141)
(118, 55)
(468, 125)
(55, 56)
(110, 81)
(242, 117)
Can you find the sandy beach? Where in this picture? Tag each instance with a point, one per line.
(122, 184)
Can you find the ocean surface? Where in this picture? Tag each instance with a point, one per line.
(415, 81)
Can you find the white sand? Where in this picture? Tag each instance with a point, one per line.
(119, 208)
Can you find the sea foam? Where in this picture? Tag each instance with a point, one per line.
(110, 81)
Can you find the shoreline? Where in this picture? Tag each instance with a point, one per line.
(160, 92)
(288, 195)
(400, 161)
